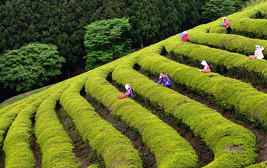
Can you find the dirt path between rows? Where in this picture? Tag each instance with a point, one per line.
(205, 156)
(147, 157)
(260, 135)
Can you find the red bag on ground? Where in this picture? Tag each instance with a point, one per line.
(121, 96)
(206, 70)
(253, 57)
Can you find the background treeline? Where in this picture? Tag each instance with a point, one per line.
(62, 22)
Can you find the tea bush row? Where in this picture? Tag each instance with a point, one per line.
(170, 149)
(220, 134)
(18, 139)
(241, 23)
(10, 112)
(116, 149)
(54, 142)
(220, 61)
(250, 23)
(226, 92)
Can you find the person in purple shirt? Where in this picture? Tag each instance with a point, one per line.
(129, 91)
(165, 80)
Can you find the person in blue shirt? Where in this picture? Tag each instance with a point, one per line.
(165, 80)
(129, 91)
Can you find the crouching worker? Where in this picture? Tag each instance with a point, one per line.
(206, 67)
(226, 24)
(184, 36)
(165, 80)
(258, 53)
(129, 91)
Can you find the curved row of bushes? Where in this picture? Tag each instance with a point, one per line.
(170, 149)
(259, 165)
(226, 92)
(220, 134)
(220, 61)
(248, 23)
(18, 139)
(54, 142)
(210, 34)
(10, 113)
(116, 149)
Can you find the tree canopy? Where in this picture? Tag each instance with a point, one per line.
(106, 40)
(29, 66)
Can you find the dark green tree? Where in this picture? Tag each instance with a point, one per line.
(105, 41)
(215, 9)
(29, 66)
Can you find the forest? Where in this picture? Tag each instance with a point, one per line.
(62, 24)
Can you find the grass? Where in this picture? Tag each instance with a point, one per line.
(21, 96)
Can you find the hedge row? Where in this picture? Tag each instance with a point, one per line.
(232, 144)
(93, 166)
(230, 42)
(18, 139)
(210, 34)
(220, 61)
(116, 149)
(170, 149)
(10, 114)
(6, 108)
(259, 165)
(250, 23)
(226, 92)
(54, 142)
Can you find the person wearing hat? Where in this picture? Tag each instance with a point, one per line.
(206, 67)
(226, 24)
(258, 53)
(165, 80)
(184, 36)
(129, 91)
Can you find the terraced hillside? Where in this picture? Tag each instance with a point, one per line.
(216, 119)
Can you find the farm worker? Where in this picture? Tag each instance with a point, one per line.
(184, 36)
(165, 80)
(129, 91)
(226, 24)
(258, 53)
(206, 67)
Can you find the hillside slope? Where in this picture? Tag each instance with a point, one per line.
(231, 144)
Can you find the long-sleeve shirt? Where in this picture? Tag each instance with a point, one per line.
(165, 80)
(206, 67)
(185, 37)
(258, 53)
(129, 92)
(227, 24)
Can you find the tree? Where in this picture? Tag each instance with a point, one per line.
(106, 40)
(215, 9)
(29, 66)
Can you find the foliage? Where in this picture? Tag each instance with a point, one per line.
(215, 9)
(29, 66)
(116, 149)
(106, 40)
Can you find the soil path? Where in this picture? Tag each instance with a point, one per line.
(205, 156)
(260, 135)
(147, 157)
(81, 149)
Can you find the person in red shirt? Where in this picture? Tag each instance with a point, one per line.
(227, 25)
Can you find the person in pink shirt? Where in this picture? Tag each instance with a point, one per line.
(226, 24)
(184, 36)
